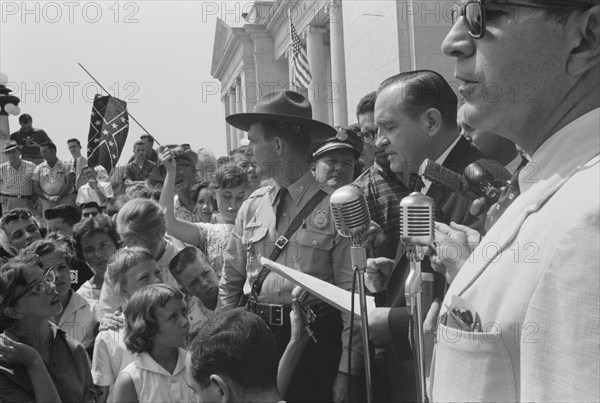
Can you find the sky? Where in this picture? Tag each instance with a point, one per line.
(155, 55)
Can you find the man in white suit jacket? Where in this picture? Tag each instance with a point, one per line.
(532, 284)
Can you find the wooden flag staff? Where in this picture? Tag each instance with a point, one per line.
(130, 115)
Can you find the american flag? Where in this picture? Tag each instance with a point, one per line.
(108, 131)
(300, 68)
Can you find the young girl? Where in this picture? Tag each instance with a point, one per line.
(129, 270)
(96, 240)
(156, 329)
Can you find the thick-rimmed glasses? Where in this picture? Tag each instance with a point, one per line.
(474, 11)
(368, 136)
(38, 287)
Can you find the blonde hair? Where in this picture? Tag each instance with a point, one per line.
(141, 222)
(120, 263)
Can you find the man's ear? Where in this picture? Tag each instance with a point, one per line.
(432, 119)
(222, 387)
(583, 32)
(13, 313)
(313, 168)
(278, 145)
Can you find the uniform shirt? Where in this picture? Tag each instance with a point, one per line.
(69, 368)
(153, 383)
(51, 179)
(17, 182)
(534, 283)
(135, 172)
(315, 248)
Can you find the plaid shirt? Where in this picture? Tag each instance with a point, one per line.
(134, 172)
(383, 192)
(17, 182)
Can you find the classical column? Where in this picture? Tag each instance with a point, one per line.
(315, 49)
(338, 64)
(240, 95)
(228, 127)
(232, 109)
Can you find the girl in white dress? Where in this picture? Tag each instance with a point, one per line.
(156, 329)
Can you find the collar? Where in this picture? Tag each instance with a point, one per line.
(297, 189)
(440, 160)
(145, 361)
(76, 303)
(576, 143)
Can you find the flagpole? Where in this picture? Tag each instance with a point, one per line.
(130, 115)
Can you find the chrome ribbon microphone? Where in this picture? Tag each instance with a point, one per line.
(351, 217)
(416, 231)
(350, 213)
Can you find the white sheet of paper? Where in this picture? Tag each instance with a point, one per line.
(333, 295)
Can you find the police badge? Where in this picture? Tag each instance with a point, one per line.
(321, 219)
(341, 135)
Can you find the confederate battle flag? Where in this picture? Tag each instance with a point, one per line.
(108, 131)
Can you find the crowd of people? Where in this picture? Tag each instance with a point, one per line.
(145, 284)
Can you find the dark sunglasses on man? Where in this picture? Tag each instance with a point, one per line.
(474, 12)
(90, 214)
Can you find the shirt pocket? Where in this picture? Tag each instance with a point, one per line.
(311, 252)
(472, 367)
(254, 241)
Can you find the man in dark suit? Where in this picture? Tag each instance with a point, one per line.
(415, 113)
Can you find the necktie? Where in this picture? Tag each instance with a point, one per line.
(508, 195)
(281, 194)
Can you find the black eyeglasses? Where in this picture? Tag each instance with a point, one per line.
(368, 136)
(474, 12)
(38, 287)
(90, 214)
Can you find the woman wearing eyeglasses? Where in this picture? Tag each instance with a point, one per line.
(96, 241)
(31, 345)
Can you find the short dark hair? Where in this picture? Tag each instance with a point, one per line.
(74, 140)
(55, 243)
(140, 315)
(17, 214)
(148, 137)
(238, 344)
(49, 144)
(366, 104)
(100, 224)
(228, 176)
(297, 136)
(186, 256)
(25, 118)
(139, 143)
(91, 204)
(424, 89)
(70, 214)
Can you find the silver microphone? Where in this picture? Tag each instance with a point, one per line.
(350, 212)
(416, 220)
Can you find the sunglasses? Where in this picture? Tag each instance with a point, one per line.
(38, 287)
(90, 214)
(473, 12)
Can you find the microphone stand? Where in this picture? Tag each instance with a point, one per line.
(413, 289)
(358, 255)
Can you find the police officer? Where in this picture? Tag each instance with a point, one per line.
(280, 132)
